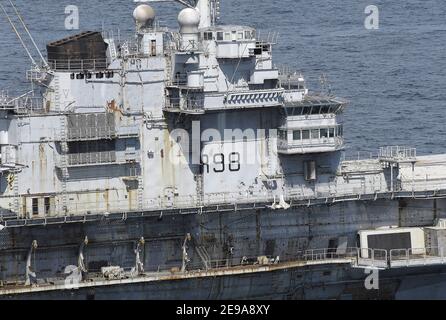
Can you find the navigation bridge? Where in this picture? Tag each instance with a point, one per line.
(312, 125)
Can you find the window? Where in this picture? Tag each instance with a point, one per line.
(305, 134)
(297, 135)
(325, 110)
(316, 110)
(306, 110)
(282, 134)
(153, 46)
(248, 35)
(35, 206)
(331, 132)
(234, 36)
(220, 36)
(227, 36)
(208, 36)
(240, 36)
(47, 206)
(324, 133)
(315, 134)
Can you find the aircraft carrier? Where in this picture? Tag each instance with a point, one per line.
(184, 164)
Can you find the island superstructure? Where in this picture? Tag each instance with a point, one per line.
(184, 164)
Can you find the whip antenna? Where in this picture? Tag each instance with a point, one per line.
(18, 35)
(29, 33)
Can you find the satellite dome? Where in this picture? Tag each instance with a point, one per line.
(144, 14)
(189, 19)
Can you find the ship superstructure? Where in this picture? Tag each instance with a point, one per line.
(184, 157)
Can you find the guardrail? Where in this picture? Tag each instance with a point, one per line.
(79, 65)
(187, 104)
(22, 104)
(397, 153)
(302, 145)
(417, 257)
(372, 258)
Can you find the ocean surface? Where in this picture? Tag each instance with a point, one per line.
(394, 77)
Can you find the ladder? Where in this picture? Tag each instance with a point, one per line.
(199, 189)
(269, 150)
(113, 53)
(140, 191)
(169, 67)
(15, 189)
(57, 93)
(63, 163)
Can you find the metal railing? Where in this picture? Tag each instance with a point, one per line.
(397, 153)
(79, 65)
(179, 80)
(188, 104)
(22, 104)
(104, 157)
(417, 256)
(335, 142)
(90, 133)
(327, 254)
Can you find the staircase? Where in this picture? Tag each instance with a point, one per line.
(204, 256)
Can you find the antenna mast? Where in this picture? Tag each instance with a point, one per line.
(28, 32)
(18, 36)
(33, 61)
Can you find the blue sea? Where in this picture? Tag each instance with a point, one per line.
(394, 77)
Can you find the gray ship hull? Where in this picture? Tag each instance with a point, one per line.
(338, 282)
(225, 237)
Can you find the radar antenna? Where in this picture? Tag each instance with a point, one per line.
(209, 9)
(325, 84)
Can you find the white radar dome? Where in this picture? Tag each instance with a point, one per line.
(189, 19)
(144, 14)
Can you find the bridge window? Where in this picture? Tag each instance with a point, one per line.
(324, 133)
(325, 109)
(220, 36)
(282, 134)
(331, 132)
(240, 36)
(316, 110)
(315, 134)
(297, 135)
(339, 131)
(305, 134)
(208, 36)
(35, 206)
(47, 205)
(227, 36)
(248, 35)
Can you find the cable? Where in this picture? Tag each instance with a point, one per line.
(18, 35)
(27, 31)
